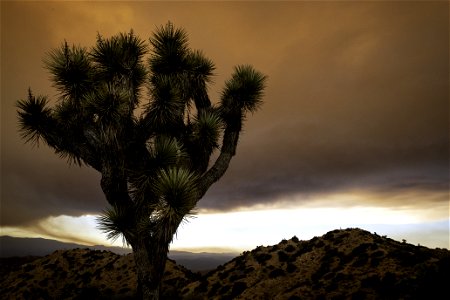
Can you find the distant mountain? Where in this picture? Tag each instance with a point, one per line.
(20, 247)
(13, 246)
(342, 264)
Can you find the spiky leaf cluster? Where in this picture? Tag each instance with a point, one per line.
(71, 69)
(34, 115)
(116, 222)
(244, 91)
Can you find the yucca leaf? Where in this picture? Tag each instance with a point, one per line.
(166, 151)
(177, 188)
(207, 128)
(244, 90)
(170, 47)
(116, 222)
(200, 66)
(120, 55)
(71, 70)
(34, 118)
(165, 111)
(108, 104)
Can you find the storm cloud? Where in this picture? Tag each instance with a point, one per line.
(357, 99)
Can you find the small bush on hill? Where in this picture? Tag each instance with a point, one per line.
(276, 273)
(262, 258)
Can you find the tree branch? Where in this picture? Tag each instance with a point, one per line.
(228, 150)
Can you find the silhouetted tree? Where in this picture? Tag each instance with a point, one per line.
(154, 157)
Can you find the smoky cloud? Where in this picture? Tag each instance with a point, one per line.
(357, 99)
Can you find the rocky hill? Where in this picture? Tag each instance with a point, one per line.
(85, 274)
(342, 264)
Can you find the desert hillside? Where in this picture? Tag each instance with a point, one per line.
(342, 264)
(85, 274)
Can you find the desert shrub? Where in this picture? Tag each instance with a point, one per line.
(283, 242)
(276, 273)
(214, 288)
(237, 276)
(405, 258)
(330, 255)
(361, 248)
(256, 250)
(220, 268)
(291, 268)
(282, 256)
(202, 287)
(274, 248)
(378, 253)
(321, 271)
(249, 270)
(262, 258)
(319, 244)
(375, 262)
(238, 288)
(361, 260)
(222, 275)
(295, 239)
(289, 248)
(329, 236)
(338, 240)
(344, 259)
(239, 260)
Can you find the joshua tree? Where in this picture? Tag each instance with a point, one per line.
(154, 157)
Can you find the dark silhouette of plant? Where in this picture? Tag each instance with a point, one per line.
(261, 258)
(282, 256)
(276, 273)
(152, 150)
(238, 288)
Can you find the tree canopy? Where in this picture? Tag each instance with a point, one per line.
(140, 115)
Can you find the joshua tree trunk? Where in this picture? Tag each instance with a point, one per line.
(150, 259)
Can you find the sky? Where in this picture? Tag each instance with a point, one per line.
(354, 130)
